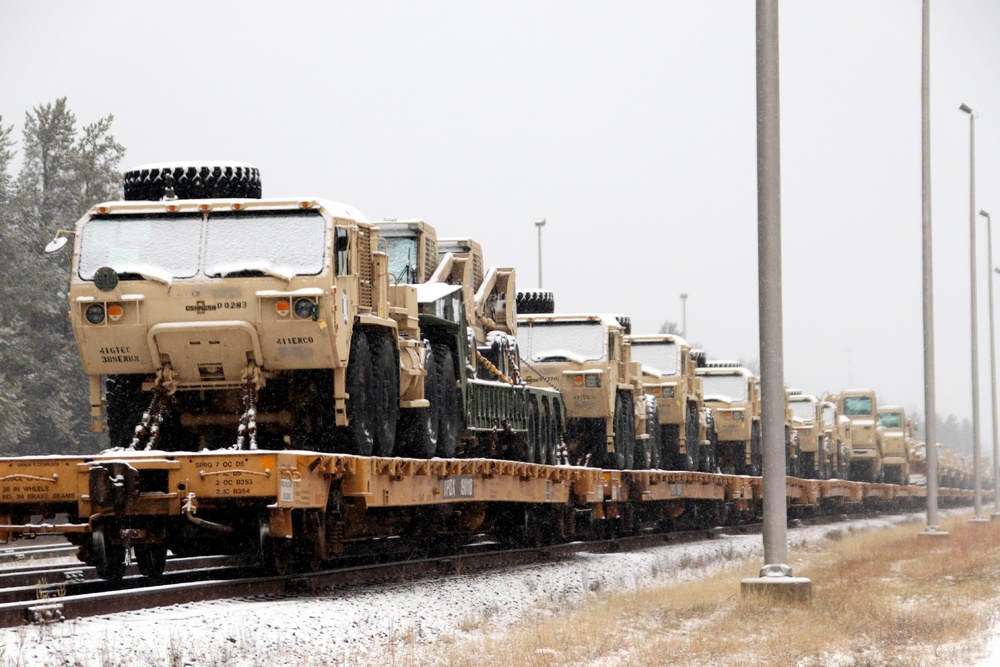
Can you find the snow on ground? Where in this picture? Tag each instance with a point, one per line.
(377, 624)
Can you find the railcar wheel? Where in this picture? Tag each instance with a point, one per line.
(151, 559)
(277, 555)
(109, 558)
(385, 395)
(360, 386)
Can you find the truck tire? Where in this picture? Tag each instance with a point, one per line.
(421, 427)
(125, 405)
(689, 461)
(359, 384)
(626, 323)
(385, 395)
(533, 438)
(550, 434)
(756, 460)
(624, 437)
(536, 301)
(653, 429)
(196, 181)
(451, 405)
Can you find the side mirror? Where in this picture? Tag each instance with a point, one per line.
(59, 242)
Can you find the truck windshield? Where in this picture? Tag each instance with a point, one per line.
(283, 243)
(857, 406)
(402, 252)
(660, 357)
(725, 388)
(142, 243)
(579, 341)
(890, 419)
(803, 411)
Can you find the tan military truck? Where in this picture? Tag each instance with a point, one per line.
(669, 371)
(732, 393)
(860, 406)
(586, 357)
(897, 441)
(816, 461)
(837, 431)
(208, 317)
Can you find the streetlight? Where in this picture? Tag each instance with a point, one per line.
(540, 222)
(978, 503)
(684, 315)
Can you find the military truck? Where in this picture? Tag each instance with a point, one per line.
(897, 441)
(837, 431)
(860, 406)
(587, 358)
(208, 317)
(669, 372)
(732, 393)
(815, 449)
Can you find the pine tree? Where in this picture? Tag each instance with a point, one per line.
(46, 395)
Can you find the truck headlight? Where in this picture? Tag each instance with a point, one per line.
(304, 308)
(668, 392)
(592, 380)
(94, 313)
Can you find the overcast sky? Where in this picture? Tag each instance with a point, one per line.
(630, 127)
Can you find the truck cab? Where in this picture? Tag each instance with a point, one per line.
(733, 395)
(861, 408)
(897, 441)
(813, 436)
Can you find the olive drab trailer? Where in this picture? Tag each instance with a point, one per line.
(587, 358)
(861, 408)
(207, 317)
(669, 372)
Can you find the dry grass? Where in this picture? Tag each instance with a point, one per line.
(879, 598)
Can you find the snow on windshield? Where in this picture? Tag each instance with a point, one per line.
(168, 243)
(803, 411)
(857, 406)
(661, 356)
(283, 242)
(728, 388)
(402, 251)
(585, 340)
(890, 419)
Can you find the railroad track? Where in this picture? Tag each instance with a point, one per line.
(199, 579)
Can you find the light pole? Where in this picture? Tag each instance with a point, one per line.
(977, 485)
(684, 315)
(540, 222)
(993, 351)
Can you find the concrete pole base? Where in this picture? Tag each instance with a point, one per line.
(932, 533)
(995, 516)
(979, 519)
(777, 584)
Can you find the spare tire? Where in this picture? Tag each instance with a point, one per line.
(626, 323)
(150, 182)
(535, 302)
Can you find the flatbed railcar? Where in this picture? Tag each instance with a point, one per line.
(296, 509)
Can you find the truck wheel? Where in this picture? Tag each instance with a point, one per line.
(451, 405)
(550, 435)
(422, 427)
(691, 438)
(533, 441)
(756, 460)
(126, 403)
(202, 181)
(360, 401)
(385, 394)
